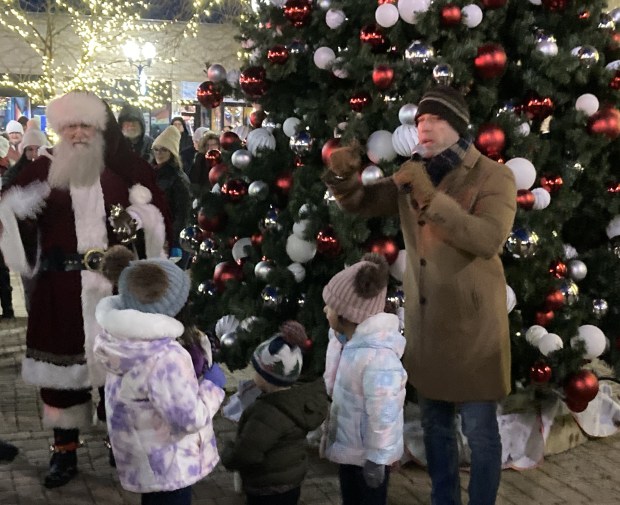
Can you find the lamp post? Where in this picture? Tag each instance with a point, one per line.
(140, 57)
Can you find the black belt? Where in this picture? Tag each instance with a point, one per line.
(90, 260)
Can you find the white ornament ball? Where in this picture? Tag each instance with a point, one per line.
(408, 9)
(260, 139)
(406, 114)
(511, 298)
(298, 271)
(300, 227)
(379, 146)
(547, 47)
(239, 248)
(593, 339)
(232, 77)
(242, 131)
(215, 189)
(542, 198)
(386, 15)
(334, 18)
(614, 65)
(226, 324)
(569, 252)
(404, 139)
(550, 343)
(536, 2)
(371, 174)
(289, 127)
(397, 269)
(587, 103)
(278, 3)
(300, 251)
(534, 333)
(613, 228)
(241, 158)
(324, 57)
(524, 129)
(471, 15)
(524, 172)
(338, 68)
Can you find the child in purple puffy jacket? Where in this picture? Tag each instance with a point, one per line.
(159, 401)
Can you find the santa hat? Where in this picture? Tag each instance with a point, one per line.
(278, 360)
(4, 147)
(33, 137)
(14, 127)
(169, 139)
(77, 107)
(358, 292)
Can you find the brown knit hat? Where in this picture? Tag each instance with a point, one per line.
(447, 103)
(359, 291)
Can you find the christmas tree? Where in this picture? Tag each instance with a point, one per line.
(542, 80)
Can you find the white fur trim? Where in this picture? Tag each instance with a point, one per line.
(78, 416)
(77, 107)
(133, 324)
(139, 194)
(45, 151)
(41, 373)
(20, 203)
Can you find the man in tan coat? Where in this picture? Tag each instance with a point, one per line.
(456, 209)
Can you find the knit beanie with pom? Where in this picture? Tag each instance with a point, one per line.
(359, 291)
(278, 360)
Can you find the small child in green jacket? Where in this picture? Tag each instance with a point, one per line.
(270, 449)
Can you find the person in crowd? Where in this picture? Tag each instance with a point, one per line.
(93, 192)
(366, 380)
(6, 291)
(189, 155)
(186, 141)
(160, 402)
(270, 450)
(23, 120)
(4, 149)
(131, 121)
(456, 210)
(175, 185)
(199, 173)
(15, 132)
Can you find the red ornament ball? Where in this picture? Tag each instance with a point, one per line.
(253, 81)
(544, 318)
(576, 406)
(328, 148)
(233, 190)
(450, 15)
(581, 386)
(383, 76)
(385, 246)
(613, 187)
(551, 183)
(225, 272)
(558, 269)
(216, 172)
(213, 157)
(490, 140)
(298, 12)
(211, 223)
(605, 122)
(229, 140)
(308, 345)
(540, 372)
(538, 108)
(278, 54)
(372, 35)
(525, 199)
(615, 81)
(208, 95)
(555, 300)
(360, 100)
(494, 4)
(490, 61)
(256, 118)
(284, 183)
(327, 243)
(555, 5)
(257, 239)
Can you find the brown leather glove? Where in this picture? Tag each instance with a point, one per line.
(413, 178)
(346, 161)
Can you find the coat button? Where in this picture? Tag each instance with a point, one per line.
(422, 300)
(422, 262)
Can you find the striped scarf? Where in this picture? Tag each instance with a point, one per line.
(439, 165)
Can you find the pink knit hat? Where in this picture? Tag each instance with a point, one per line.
(359, 291)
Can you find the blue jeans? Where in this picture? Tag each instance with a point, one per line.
(354, 490)
(479, 422)
(181, 496)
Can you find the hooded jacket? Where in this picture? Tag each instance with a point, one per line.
(270, 449)
(141, 145)
(159, 415)
(367, 382)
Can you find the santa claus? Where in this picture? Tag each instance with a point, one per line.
(56, 222)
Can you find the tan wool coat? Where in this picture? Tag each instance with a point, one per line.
(456, 321)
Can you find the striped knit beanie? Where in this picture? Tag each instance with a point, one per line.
(359, 291)
(447, 103)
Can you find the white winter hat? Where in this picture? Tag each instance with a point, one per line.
(14, 127)
(33, 137)
(4, 147)
(199, 132)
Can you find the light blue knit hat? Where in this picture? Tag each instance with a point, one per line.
(156, 286)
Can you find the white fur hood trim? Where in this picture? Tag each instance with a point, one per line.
(133, 324)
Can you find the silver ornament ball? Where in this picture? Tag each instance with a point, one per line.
(271, 296)
(570, 290)
(190, 239)
(577, 270)
(228, 339)
(306, 210)
(606, 22)
(208, 247)
(547, 48)
(270, 221)
(371, 174)
(406, 114)
(241, 158)
(263, 269)
(301, 143)
(325, 4)
(207, 288)
(615, 15)
(599, 308)
(522, 243)
(443, 74)
(588, 55)
(258, 190)
(216, 73)
(418, 53)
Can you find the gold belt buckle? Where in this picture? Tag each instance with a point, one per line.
(92, 259)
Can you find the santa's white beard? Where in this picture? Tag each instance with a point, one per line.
(77, 165)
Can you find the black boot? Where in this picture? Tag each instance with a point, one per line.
(111, 459)
(63, 465)
(7, 451)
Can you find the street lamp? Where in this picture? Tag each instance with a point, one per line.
(140, 57)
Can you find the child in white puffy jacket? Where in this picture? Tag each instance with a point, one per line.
(366, 380)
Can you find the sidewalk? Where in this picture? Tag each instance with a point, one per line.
(585, 475)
